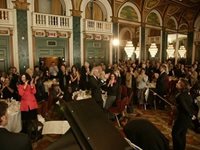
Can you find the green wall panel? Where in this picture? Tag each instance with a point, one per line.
(97, 52)
(4, 53)
(50, 47)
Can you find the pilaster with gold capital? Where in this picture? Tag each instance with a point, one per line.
(21, 4)
(76, 13)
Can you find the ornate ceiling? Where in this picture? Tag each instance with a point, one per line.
(184, 11)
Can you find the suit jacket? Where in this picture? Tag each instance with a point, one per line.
(14, 141)
(184, 105)
(63, 78)
(28, 100)
(95, 85)
(162, 84)
(145, 135)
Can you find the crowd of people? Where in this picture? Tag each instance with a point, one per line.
(29, 87)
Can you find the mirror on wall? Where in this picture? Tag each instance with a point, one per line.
(129, 34)
(179, 43)
(153, 44)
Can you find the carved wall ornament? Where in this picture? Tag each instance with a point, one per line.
(51, 34)
(97, 37)
(89, 36)
(39, 33)
(4, 31)
(21, 4)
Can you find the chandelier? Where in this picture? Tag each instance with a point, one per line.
(153, 49)
(170, 51)
(129, 49)
(182, 51)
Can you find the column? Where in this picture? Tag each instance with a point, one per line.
(143, 51)
(76, 37)
(190, 40)
(115, 49)
(22, 32)
(164, 45)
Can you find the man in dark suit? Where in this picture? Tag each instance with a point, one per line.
(162, 85)
(9, 140)
(145, 135)
(95, 85)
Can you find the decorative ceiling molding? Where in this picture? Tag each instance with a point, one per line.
(150, 4)
(172, 10)
(195, 1)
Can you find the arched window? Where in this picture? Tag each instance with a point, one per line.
(94, 12)
(153, 19)
(129, 13)
(183, 28)
(48, 7)
(172, 24)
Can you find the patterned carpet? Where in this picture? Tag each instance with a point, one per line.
(159, 118)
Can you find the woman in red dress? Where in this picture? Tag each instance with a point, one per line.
(28, 104)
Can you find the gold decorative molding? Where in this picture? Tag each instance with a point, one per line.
(21, 4)
(115, 19)
(4, 31)
(11, 31)
(88, 36)
(76, 13)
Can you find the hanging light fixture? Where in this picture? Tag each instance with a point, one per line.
(129, 49)
(182, 51)
(137, 52)
(170, 51)
(153, 49)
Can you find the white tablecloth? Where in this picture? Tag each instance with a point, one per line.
(14, 117)
(55, 127)
(81, 95)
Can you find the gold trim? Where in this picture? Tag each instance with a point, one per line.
(21, 4)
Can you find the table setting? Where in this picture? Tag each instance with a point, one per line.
(14, 115)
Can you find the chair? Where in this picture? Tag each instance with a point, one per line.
(123, 91)
(128, 103)
(119, 108)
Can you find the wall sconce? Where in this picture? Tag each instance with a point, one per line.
(137, 52)
(115, 42)
(170, 51)
(153, 49)
(129, 49)
(182, 51)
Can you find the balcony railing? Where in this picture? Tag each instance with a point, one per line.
(98, 26)
(51, 21)
(6, 17)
